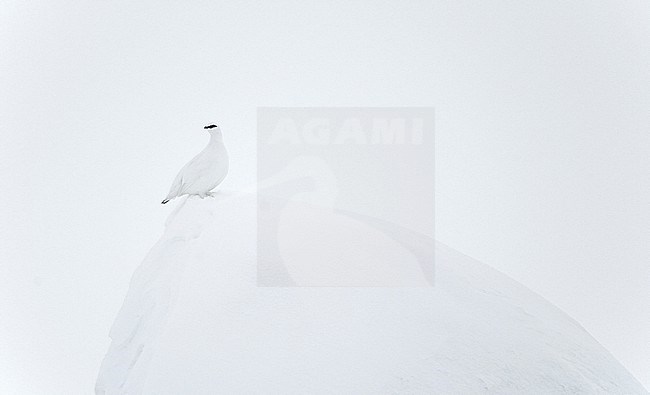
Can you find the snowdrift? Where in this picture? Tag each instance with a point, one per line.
(196, 322)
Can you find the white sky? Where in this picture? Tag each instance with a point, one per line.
(542, 145)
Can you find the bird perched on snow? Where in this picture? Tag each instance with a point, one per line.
(205, 171)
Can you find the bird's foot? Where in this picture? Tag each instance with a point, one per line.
(206, 194)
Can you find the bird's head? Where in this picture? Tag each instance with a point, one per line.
(214, 130)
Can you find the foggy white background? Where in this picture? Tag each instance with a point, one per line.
(541, 130)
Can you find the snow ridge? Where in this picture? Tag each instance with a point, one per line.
(195, 321)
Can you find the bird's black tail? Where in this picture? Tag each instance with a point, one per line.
(164, 201)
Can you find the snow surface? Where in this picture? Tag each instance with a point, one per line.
(195, 322)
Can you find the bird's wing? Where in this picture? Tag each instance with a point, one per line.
(188, 175)
(193, 172)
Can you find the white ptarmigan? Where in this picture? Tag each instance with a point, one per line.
(205, 171)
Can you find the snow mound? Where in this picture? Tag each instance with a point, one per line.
(195, 322)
